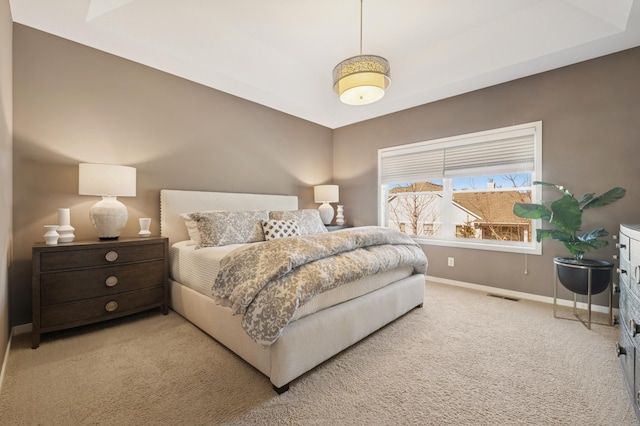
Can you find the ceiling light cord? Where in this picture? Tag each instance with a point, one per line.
(361, 27)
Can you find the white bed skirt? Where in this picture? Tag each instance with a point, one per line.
(309, 341)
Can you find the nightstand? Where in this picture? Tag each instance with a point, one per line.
(85, 282)
(332, 228)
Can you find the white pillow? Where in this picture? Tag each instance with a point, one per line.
(192, 228)
(279, 229)
(308, 220)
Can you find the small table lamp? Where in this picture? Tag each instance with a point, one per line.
(108, 181)
(326, 194)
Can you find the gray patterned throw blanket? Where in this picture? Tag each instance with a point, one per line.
(267, 282)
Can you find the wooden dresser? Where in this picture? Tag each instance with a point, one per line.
(85, 282)
(628, 346)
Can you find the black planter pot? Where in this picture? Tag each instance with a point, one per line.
(574, 274)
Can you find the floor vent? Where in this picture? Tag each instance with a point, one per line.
(499, 296)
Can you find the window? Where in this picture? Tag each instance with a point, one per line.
(428, 229)
(460, 191)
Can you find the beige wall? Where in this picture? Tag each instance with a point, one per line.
(591, 142)
(75, 104)
(6, 179)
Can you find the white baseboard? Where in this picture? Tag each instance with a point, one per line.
(6, 358)
(22, 329)
(520, 295)
(19, 329)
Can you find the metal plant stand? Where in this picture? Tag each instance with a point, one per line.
(590, 269)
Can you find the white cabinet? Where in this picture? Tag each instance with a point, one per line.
(628, 346)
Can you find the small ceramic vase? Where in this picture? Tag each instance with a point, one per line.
(51, 235)
(145, 224)
(65, 230)
(340, 215)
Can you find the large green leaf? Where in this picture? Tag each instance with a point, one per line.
(586, 242)
(592, 235)
(586, 198)
(578, 249)
(531, 211)
(575, 252)
(566, 214)
(556, 234)
(607, 198)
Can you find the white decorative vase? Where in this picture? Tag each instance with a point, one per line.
(340, 215)
(65, 230)
(145, 224)
(51, 235)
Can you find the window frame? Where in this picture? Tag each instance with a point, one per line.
(533, 130)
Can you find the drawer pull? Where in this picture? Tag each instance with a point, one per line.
(111, 256)
(635, 327)
(111, 281)
(111, 306)
(636, 274)
(620, 350)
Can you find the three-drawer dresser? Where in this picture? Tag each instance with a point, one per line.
(628, 346)
(85, 282)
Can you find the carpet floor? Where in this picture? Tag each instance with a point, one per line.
(465, 358)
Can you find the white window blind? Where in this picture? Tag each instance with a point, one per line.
(412, 167)
(508, 150)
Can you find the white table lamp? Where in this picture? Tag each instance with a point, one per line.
(109, 215)
(326, 194)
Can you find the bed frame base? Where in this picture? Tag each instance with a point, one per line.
(282, 389)
(309, 341)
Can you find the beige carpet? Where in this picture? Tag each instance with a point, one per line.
(464, 359)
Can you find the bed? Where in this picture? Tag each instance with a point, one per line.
(334, 321)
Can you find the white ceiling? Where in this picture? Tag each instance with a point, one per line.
(280, 53)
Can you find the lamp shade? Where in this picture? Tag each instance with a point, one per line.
(106, 180)
(361, 80)
(326, 193)
(108, 216)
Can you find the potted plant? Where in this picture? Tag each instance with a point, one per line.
(565, 217)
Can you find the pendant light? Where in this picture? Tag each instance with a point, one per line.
(362, 79)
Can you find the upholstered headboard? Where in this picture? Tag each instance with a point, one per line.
(175, 202)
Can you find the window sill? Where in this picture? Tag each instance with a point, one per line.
(485, 245)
